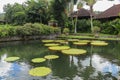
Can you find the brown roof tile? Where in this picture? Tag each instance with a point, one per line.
(81, 13)
(114, 11)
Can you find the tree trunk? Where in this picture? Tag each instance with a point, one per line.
(91, 18)
(76, 23)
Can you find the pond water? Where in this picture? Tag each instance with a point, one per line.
(99, 63)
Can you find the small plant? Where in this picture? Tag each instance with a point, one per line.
(66, 31)
(96, 29)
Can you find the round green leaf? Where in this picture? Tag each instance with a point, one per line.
(9, 59)
(73, 40)
(99, 43)
(40, 71)
(38, 60)
(51, 56)
(52, 44)
(80, 43)
(57, 48)
(59, 40)
(84, 41)
(47, 41)
(74, 51)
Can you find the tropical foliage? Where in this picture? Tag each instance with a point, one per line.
(28, 29)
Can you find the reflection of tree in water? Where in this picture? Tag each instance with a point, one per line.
(61, 67)
(107, 76)
(87, 71)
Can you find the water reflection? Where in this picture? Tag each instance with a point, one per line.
(12, 71)
(97, 64)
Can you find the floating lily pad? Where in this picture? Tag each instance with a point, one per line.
(73, 40)
(10, 59)
(64, 42)
(51, 56)
(84, 41)
(40, 71)
(59, 40)
(47, 41)
(80, 43)
(38, 60)
(57, 48)
(52, 44)
(74, 51)
(99, 43)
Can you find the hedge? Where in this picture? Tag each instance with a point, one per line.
(28, 29)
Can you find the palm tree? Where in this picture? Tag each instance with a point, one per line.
(79, 5)
(90, 3)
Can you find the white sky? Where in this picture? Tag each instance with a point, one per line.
(4, 2)
(99, 6)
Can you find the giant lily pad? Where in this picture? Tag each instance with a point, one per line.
(84, 41)
(52, 44)
(38, 60)
(57, 48)
(80, 43)
(99, 43)
(74, 51)
(51, 56)
(59, 40)
(96, 41)
(40, 71)
(10, 59)
(73, 40)
(47, 41)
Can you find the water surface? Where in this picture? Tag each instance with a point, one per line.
(99, 63)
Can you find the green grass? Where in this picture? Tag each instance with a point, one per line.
(102, 37)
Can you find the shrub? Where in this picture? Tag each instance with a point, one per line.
(66, 30)
(96, 29)
(28, 29)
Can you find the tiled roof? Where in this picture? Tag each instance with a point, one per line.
(114, 11)
(81, 13)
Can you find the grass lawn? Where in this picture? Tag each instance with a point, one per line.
(90, 36)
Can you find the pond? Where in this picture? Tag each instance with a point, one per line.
(99, 63)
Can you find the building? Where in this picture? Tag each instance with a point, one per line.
(110, 14)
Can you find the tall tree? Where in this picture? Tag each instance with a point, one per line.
(59, 11)
(90, 3)
(36, 11)
(79, 5)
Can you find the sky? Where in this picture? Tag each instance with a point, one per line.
(4, 2)
(100, 5)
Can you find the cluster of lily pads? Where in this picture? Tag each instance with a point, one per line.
(91, 42)
(57, 45)
(42, 71)
(38, 71)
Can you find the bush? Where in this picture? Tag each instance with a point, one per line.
(28, 29)
(66, 30)
(96, 29)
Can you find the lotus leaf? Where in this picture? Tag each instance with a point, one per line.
(51, 56)
(9, 59)
(74, 51)
(59, 40)
(73, 40)
(84, 41)
(40, 71)
(52, 44)
(80, 43)
(65, 42)
(57, 48)
(99, 43)
(47, 41)
(38, 60)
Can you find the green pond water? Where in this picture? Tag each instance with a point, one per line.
(99, 63)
